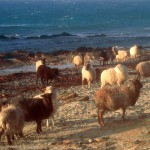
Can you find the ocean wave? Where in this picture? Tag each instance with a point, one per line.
(9, 37)
(50, 36)
(67, 34)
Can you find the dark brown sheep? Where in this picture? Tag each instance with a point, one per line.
(37, 109)
(116, 97)
(46, 74)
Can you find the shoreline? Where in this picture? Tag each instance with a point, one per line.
(29, 68)
(23, 61)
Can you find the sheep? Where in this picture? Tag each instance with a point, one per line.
(39, 63)
(36, 109)
(117, 75)
(50, 89)
(88, 73)
(104, 56)
(143, 69)
(88, 57)
(82, 59)
(78, 61)
(46, 73)
(121, 54)
(116, 97)
(134, 51)
(11, 122)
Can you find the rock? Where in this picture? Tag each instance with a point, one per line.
(67, 96)
(90, 140)
(67, 141)
(137, 142)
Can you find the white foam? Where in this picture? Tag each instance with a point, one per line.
(30, 68)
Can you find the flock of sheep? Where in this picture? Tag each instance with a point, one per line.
(122, 93)
(115, 97)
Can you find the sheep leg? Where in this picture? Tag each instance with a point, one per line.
(82, 83)
(100, 117)
(20, 134)
(52, 120)
(123, 113)
(42, 81)
(36, 80)
(12, 136)
(47, 122)
(8, 139)
(89, 84)
(1, 133)
(38, 129)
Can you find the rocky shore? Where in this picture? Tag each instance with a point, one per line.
(76, 120)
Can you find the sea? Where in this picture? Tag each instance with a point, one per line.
(52, 25)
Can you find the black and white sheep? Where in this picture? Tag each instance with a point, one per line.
(116, 97)
(11, 122)
(50, 89)
(37, 109)
(39, 63)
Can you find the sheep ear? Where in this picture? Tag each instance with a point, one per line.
(46, 94)
(43, 95)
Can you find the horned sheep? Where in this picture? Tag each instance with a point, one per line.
(112, 76)
(88, 73)
(11, 122)
(116, 97)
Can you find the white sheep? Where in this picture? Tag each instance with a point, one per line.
(88, 73)
(120, 52)
(77, 61)
(11, 122)
(134, 51)
(112, 76)
(50, 89)
(122, 55)
(143, 69)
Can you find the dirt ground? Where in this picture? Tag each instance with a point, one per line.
(76, 124)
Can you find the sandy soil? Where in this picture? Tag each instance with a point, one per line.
(76, 125)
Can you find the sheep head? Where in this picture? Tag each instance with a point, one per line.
(47, 99)
(137, 84)
(87, 66)
(137, 87)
